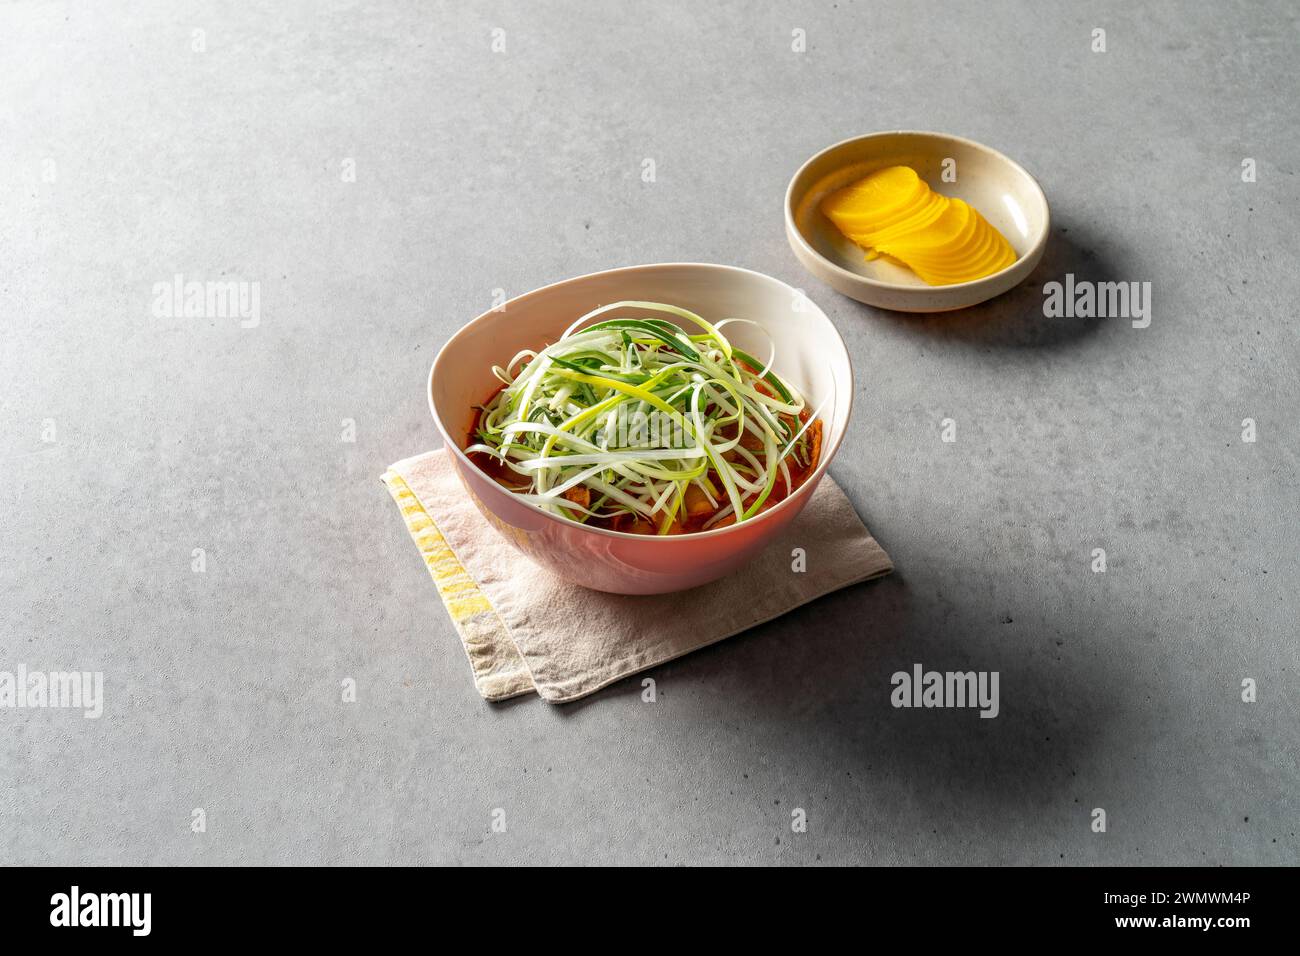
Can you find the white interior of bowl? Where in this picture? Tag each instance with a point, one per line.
(809, 351)
(1003, 192)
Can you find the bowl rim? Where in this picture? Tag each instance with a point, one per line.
(1039, 241)
(829, 450)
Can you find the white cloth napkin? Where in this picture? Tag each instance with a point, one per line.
(526, 630)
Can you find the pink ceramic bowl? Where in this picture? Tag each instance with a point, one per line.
(810, 354)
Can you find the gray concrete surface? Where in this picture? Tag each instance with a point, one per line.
(128, 156)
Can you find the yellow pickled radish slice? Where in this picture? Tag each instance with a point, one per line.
(951, 233)
(950, 274)
(977, 250)
(916, 220)
(874, 195)
(884, 196)
(873, 219)
(957, 246)
(937, 272)
(894, 215)
(946, 240)
(988, 254)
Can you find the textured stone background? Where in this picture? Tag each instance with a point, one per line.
(478, 170)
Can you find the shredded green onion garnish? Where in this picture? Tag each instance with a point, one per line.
(638, 416)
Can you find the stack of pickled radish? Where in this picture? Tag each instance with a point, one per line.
(893, 213)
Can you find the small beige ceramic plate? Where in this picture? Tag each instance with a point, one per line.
(1007, 196)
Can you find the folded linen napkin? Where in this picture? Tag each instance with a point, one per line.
(516, 619)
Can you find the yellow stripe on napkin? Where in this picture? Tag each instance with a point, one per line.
(499, 671)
